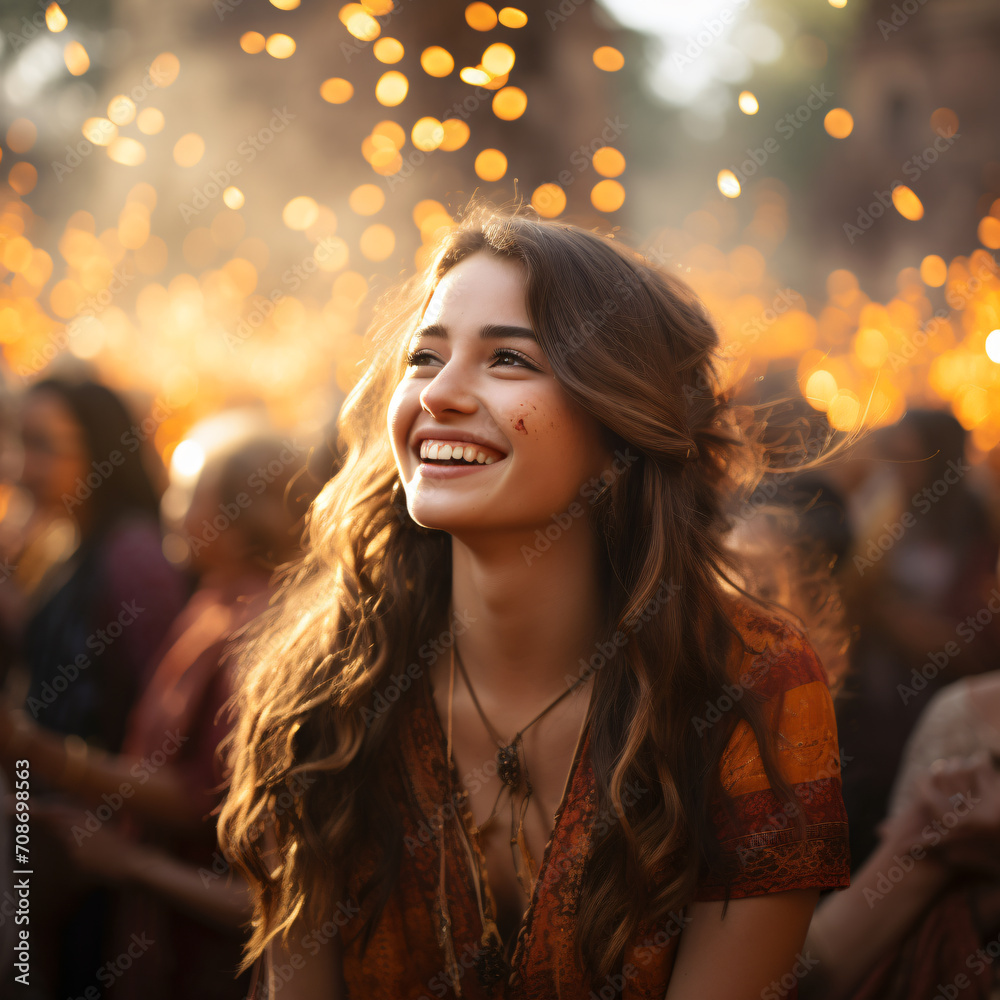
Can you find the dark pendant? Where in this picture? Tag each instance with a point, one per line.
(491, 966)
(508, 766)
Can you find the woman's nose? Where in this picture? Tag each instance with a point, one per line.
(449, 389)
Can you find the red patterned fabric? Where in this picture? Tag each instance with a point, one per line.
(404, 960)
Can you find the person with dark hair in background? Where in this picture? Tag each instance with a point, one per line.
(922, 562)
(236, 523)
(85, 636)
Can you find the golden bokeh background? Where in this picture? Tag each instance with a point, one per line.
(204, 200)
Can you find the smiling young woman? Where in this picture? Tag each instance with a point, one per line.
(545, 742)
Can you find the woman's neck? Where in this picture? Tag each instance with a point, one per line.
(532, 615)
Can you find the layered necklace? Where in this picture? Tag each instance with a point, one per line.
(491, 962)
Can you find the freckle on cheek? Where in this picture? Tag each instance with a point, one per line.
(519, 426)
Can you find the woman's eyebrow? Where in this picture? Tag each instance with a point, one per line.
(489, 332)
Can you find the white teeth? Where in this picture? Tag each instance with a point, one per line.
(445, 452)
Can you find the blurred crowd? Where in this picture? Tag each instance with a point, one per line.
(123, 588)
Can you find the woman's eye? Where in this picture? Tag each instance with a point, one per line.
(517, 359)
(501, 357)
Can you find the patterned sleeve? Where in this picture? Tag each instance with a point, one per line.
(760, 844)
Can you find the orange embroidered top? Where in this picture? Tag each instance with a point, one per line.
(403, 958)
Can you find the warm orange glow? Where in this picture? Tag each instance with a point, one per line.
(390, 131)
(377, 242)
(512, 17)
(55, 19)
(76, 58)
(509, 103)
(121, 110)
(99, 131)
(23, 177)
(491, 165)
(359, 22)
(436, 61)
(150, 121)
(907, 203)
(388, 50)
(474, 76)
(607, 196)
(820, 389)
(336, 90)
(280, 46)
(608, 58)
(480, 16)
(367, 199)
(252, 42)
(498, 59)
(748, 103)
(728, 184)
(128, 152)
(189, 149)
(427, 134)
(21, 135)
(233, 197)
(870, 347)
(839, 123)
(843, 410)
(456, 134)
(548, 200)
(285, 4)
(391, 88)
(944, 121)
(164, 69)
(300, 213)
(608, 161)
(989, 232)
(933, 271)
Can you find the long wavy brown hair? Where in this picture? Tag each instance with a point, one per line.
(633, 346)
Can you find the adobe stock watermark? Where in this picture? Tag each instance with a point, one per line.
(710, 31)
(98, 642)
(30, 27)
(141, 771)
(95, 304)
(932, 835)
(607, 649)
(901, 13)
(937, 660)
(248, 150)
(258, 480)
(786, 126)
(564, 520)
(957, 301)
(292, 279)
(102, 469)
(402, 682)
(923, 500)
(912, 169)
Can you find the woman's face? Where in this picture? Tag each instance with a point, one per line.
(477, 385)
(56, 458)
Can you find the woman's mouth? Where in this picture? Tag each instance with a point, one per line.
(457, 456)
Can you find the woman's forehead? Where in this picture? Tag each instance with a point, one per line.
(477, 285)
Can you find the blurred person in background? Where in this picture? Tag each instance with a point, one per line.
(922, 914)
(177, 912)
(921, 565)
(92, 599)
